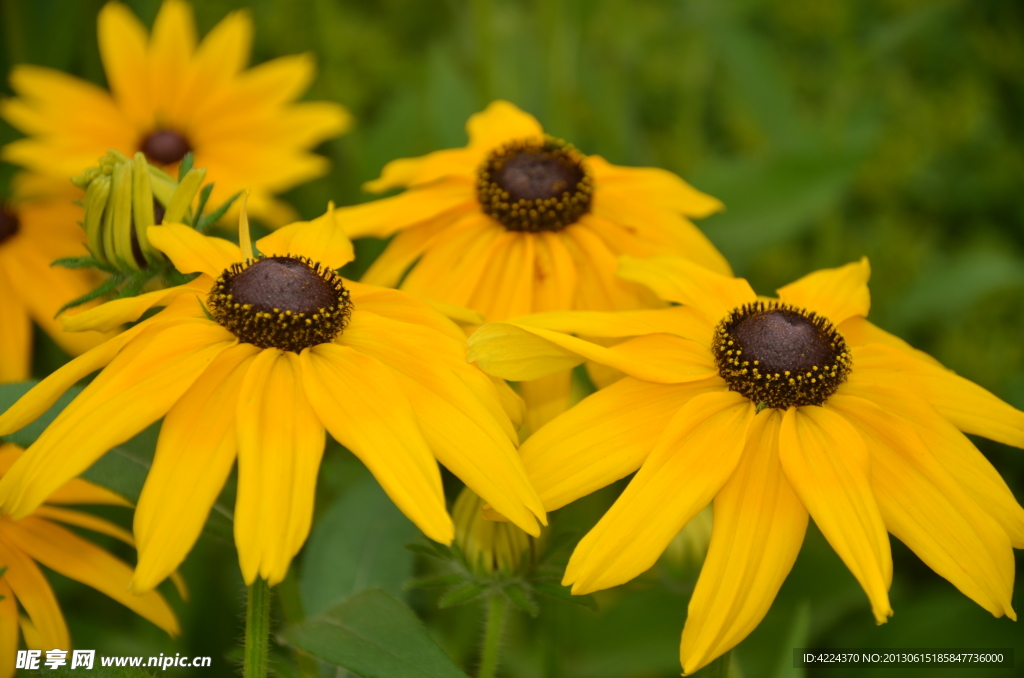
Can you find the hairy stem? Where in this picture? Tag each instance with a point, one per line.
(497, 610)
(257, 629)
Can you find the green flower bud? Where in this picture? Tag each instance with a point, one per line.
(491, 547)
(123, 198)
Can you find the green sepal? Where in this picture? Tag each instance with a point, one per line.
(461, 595)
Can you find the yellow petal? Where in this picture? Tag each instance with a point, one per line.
(655, 186)
(8, 630)
(194, 455)
(683, 321)
(598, 287)
(827, 464)
(545, 399)
(79, 491)
(520, 353)
(136, 389)
(505, 288)
(33, 593)
(858, 330)
(758, 529)
(280, 443)
(968, 406)
(113, 314)
(170, 50)
(834, 293)
(458, 163)
(682, 281)
(321, 240)
(362, 405)
(953, 449)
(555, 279)
(15, 337)
(676, 481)
(68, 554)
(500, 122)
(462, 433)
(926, 509)
(192, 252)
(409, 245)
(381, 218)
(604, 438)
(398, 305)
(122, 42)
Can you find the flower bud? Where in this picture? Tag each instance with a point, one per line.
(123, 198)
(488, 546)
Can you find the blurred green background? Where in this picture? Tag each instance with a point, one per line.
(831, 130)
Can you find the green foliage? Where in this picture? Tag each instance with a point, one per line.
(374, 636)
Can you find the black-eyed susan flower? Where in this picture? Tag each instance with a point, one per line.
(254, 359)
(41, 537)
(518, 222)
(37, 226)
(170, 96)
(774, 409)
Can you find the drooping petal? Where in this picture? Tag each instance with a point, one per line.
(521, 352)
(113, 314)
(136, 389)
(555, 278)
(834, 293)
(676, 481)
(953, 449)
(458, 163)
(653, 185)
(827, 464)
(192, 252)
(677, 279)
(8, 630)
(545, 398)
(65, 552)
(858, 330)
(971, 408)
(500, 122)
(409, 245)
(194, 455)
(758, 529)
(79, 491)
(683, 321)
(398, 305)
(505, 288)
(321, 240)
(926, 509)
(34, 594)
(384, 217)
(280, 443)
(361, 404)
(604, 438)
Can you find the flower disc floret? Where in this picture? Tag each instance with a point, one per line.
(780, 356)
(535, 185)
(286, 302)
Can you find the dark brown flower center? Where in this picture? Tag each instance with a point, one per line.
(290, 303)
(9, 223)
(780, 356)
(165, 147)
(535, 185)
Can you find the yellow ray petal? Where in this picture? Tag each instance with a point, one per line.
(8, 630)
(79, 491)
(321, 240)
(170, 49)
(655, 186)
(361, 403)
(520, 353)
(224, 51)
(192, 252)
(555, 277)
(510, 401)
(682, 281)
(458, 163)
(604, 438)
(33, 592)
(758, 529)
(462, 433)
(676, 481)
(65, 552)
(835, 293)
(409, 245)
(500, 122)
(398, 305)
(381, 218)
(280, 443)
(968, 406)
(113, 314)
(598, 288)
(15, 336)
(858, 330)
(136, 389)
(194, 455)
(545, 399)
(827, 464)
(505, 288)
(953, 449)
(926, 509)
(683, 321)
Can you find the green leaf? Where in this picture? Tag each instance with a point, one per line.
(434, 582)
(10, 393)
(186, 166)
(356, 544)
(210, 219)
(374, 636)
(563, 593)
(461, 595)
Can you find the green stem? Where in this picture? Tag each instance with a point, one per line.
(257, 630)
(497, 608)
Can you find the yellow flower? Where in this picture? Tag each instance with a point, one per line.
(254, 358)
(517, 222)
(170, 96)
(39, 538)
(774, 409)
(38, 226)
